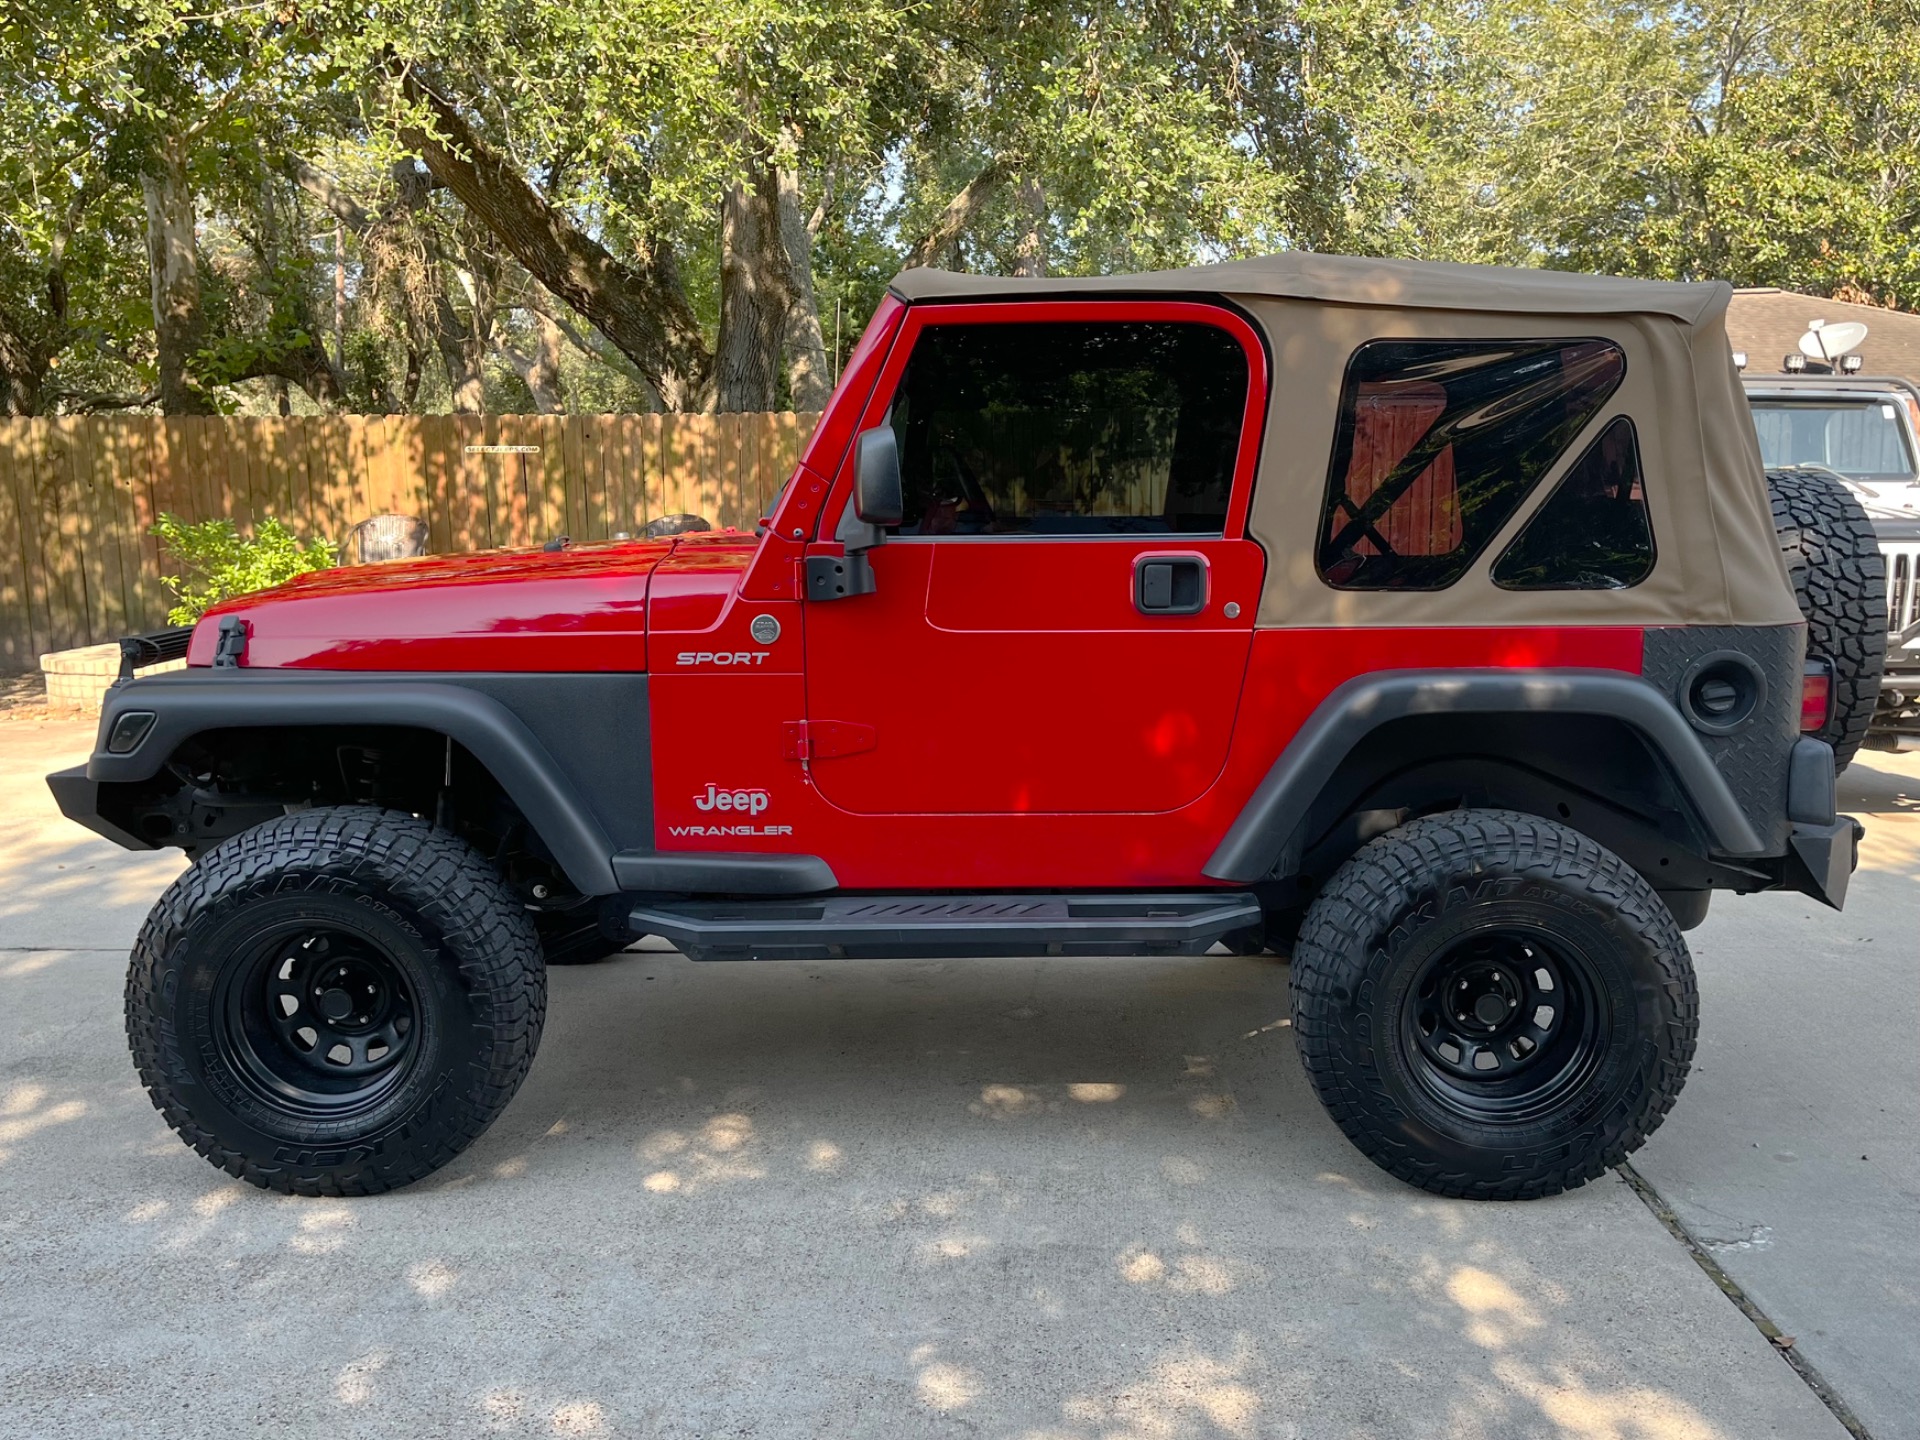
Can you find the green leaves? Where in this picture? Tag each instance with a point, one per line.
(1764, 141)
(216, 563)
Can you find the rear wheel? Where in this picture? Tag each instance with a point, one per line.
(1491, 1005)
(1840, 581)
(337, 1002)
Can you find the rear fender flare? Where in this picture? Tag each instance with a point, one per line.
(1258, 837)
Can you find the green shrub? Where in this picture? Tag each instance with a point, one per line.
(217, 563)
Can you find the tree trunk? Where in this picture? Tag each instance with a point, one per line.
(541, 369)
(340, 295)
(464, 342)
(173, 260)
(312, 369)
(543, 377)
(1030, 256)
(461, 352)
(410, 386)
(23, 370)
(957, 217)
(808, 377)
(756, 292)
(638, 304)
(466, 384)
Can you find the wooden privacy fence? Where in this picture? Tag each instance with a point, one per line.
(79, 495)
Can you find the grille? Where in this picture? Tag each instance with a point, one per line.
(1903, 586)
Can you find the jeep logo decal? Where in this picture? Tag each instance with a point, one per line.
(749, 802)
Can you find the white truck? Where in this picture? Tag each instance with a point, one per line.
(1864, 431)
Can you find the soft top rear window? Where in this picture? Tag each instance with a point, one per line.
(1439, 441)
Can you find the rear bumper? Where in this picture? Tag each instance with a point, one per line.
(1823, 846)
(1822, 858)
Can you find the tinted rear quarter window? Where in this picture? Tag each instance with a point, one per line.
(1438, 443)
(1070, 428)
(1593, 532)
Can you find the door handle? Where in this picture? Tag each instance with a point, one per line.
(1170, 584)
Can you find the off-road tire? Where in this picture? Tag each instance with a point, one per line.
(1840, 582)
(422, 901)
(1432, 886)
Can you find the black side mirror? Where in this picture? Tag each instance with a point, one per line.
(877, 496)
(877, 502)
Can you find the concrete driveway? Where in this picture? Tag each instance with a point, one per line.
(1045, 1200)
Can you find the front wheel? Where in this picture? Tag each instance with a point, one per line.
(335, 1003)
(1492, 1005)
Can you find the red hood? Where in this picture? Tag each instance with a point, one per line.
(582, 608)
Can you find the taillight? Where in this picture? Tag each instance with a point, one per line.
(1816, 695)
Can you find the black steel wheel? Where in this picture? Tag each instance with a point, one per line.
(1493, 1005)
(317, 1017)
(1502, 1024)
(337, 1002)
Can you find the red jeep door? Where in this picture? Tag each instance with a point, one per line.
(1061, 623)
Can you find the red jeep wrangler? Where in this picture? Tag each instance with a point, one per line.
(1423, 623)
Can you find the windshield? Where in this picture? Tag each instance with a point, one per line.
(1862, 439)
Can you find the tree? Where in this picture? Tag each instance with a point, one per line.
(431, 204)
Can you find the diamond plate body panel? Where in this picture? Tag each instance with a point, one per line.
(1754, 758)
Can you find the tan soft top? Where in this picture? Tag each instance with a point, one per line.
(1718, 559)
(1348, 280)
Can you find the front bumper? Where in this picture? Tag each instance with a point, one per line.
(78, 796)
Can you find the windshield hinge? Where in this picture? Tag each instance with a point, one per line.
(230, 648)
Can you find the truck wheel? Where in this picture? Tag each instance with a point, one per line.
(336, 1002)
(1491, 1005)
(1840, 580)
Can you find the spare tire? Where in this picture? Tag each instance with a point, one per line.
(1840, 580)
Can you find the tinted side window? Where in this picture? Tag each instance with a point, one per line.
(1593, 532)
(1439, 442)
(1070, 428)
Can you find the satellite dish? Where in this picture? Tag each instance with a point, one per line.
(1829, 342)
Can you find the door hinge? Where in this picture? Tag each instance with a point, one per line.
(839, 577)
(826, 739)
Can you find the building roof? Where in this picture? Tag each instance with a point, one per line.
(1768, 324)
(1350, 280)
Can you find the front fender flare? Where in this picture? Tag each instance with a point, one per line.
(1258, 837)
(191, 703)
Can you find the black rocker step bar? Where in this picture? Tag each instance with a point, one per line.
(909, 926)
